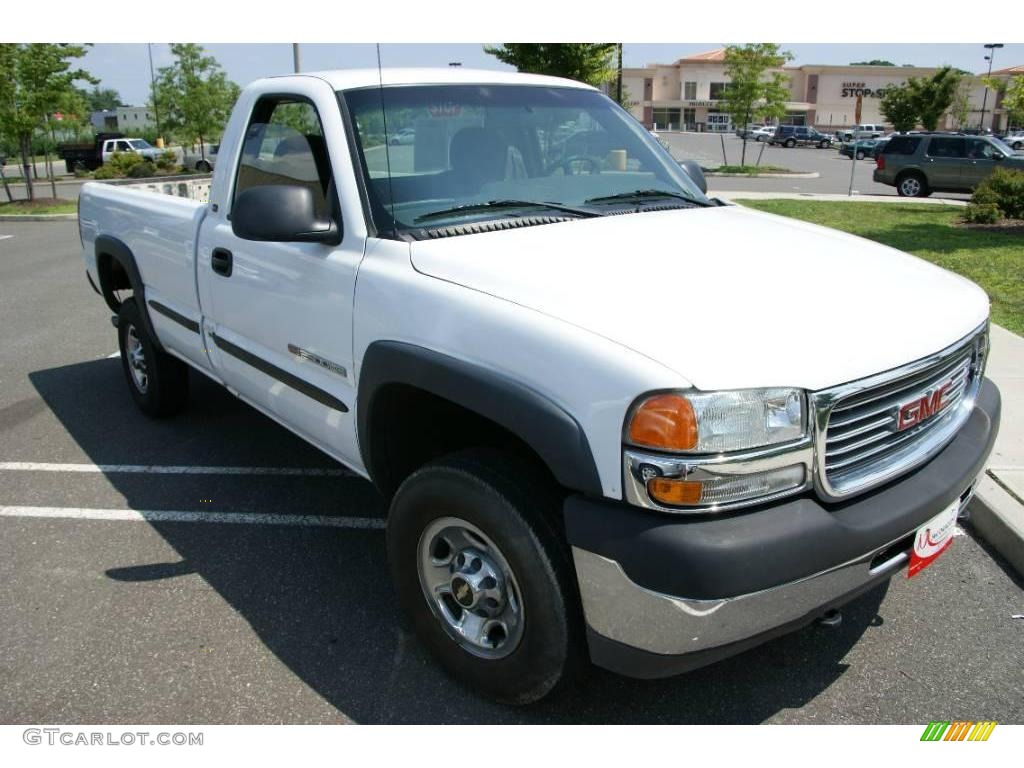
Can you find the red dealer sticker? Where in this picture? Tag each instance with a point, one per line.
(932, 539)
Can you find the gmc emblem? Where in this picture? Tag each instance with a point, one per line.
(922, 408)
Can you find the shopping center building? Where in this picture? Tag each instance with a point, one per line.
(686, 95)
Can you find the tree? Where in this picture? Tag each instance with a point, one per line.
(101, 98)
(1013, 100)
(753, 89)
(898, 108)
(872, 63)
(194, 95)
(932, 96)
(960, 109)
(37, 81)
(590, 63)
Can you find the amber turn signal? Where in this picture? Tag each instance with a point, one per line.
(675, 492)
(665, 422)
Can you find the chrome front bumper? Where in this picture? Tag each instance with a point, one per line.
(666, 593)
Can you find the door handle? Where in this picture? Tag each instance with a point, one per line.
(221, 261)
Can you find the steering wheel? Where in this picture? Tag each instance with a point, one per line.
(566, 165)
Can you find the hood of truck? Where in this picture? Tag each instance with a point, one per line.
(726, 297)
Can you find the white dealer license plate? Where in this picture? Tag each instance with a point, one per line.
(932, 539)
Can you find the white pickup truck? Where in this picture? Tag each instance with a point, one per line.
(609, 423)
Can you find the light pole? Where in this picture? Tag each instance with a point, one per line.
(295, 58)
(984, 99)
(156, 109)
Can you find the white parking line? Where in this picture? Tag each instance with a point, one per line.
(160, 469)
(115, 354)
(6, 237)
(171, 516)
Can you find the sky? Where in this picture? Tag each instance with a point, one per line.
(125, 66)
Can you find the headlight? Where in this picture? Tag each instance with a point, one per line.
(718, 422)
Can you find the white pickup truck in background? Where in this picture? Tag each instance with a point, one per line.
(606, 421)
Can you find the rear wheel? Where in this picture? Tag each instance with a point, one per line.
(912, 185)
(158, 382)
(484, 575)
(1018, 145)
(203, 166)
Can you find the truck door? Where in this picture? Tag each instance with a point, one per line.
(278, 315)
(943, 161)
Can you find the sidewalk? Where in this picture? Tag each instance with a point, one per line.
(998, 509)
(856, 198)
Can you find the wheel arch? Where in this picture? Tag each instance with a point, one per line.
(396, 377)
(117, 270)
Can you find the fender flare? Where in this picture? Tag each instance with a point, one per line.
(107, 245)
(543, 425)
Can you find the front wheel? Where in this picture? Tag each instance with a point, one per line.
(790, 143)
(203, 166)
(484, 575)
(860, 155)
(157, 381)
(1018, 145)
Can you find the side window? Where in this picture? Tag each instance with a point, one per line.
(946, 146)
(979, 149)
(122, 146)
(284, 145)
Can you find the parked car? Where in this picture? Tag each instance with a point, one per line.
(746, 133)
(862, 131)
(862, 148)
(764, 133)
(85, 156)
(791, 135)
(1014, 140)
(403, 136)
(604, 466)
(128, 145)
(202, 159)
(919, 164)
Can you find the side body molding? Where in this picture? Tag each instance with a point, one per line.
(110, 247)
(547, 428)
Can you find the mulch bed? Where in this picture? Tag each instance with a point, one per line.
(1009, 226)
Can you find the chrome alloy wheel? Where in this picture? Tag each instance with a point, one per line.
(137, 360)
(470, 588)
(910, 186)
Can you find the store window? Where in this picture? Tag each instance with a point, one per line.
(690, 91)
(689, 119)
(719, 122)
(716, 91)
(667, 117)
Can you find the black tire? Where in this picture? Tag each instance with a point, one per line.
(860, 154)
(824, 145)
(164, 390)
(516, 507)
(906, 187)
(790, 143)
(203, 166)
(1018, 145)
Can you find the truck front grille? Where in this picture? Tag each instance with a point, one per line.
(876, 429)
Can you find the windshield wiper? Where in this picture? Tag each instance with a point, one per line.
(469, 208)
(638, 195)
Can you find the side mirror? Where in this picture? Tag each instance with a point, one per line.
(283, 214)
(693, 170)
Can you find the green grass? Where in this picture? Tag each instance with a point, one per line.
(750, 170)
(992, 259)
(47, 205)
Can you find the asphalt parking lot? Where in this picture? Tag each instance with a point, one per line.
(832, 168)
(155, 621)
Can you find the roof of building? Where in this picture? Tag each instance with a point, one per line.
(716, 55)
(1017, 70)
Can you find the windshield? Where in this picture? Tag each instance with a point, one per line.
(453, 151)
(139, 144)
(1005, 148)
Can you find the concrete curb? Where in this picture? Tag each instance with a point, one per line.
(812, 175)
(999, 518)
(833, 198)
(39, 217)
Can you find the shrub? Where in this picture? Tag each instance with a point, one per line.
(105, 172)
(122, 162)
(982, 213)
(167, 161)
(1004, 189)
(142, 170)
